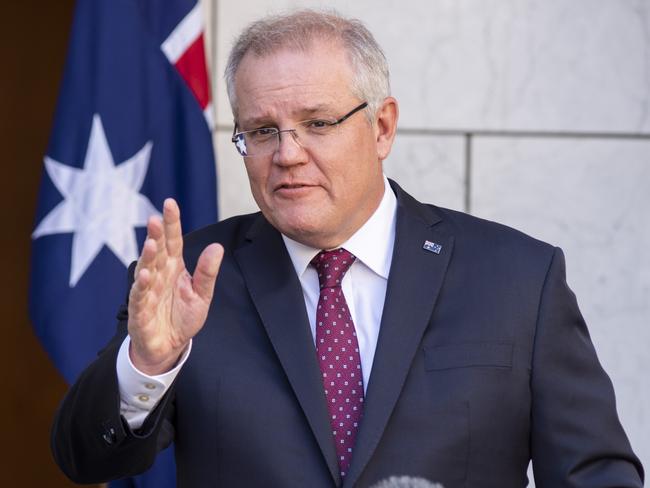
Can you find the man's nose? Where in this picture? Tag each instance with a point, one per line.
(290, 151)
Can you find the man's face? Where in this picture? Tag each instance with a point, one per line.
(317, 194)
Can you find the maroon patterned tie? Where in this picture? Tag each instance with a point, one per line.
(338, 353)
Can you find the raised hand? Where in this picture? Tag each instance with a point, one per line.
(168, 306)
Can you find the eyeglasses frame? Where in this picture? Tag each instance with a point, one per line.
(235, 135)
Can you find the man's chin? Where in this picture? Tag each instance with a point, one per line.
(305, 234)
(304, 230)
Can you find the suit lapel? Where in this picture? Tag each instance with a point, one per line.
(414, 282)
(277, 295)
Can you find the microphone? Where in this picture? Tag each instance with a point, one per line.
(405, 482)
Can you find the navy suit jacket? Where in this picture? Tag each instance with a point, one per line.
(483, 362)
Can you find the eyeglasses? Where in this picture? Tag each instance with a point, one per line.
(309, 133)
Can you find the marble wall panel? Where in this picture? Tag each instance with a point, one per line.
(591, 198)
(431, 168)
(522, 65)
(547, 65)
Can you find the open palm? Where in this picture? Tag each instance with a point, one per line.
(167, 305)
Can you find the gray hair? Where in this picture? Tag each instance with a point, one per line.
(297, 30)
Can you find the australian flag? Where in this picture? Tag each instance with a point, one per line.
(132, 127)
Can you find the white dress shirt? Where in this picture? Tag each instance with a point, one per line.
(364, 287)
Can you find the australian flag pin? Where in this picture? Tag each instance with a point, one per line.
(433, 247)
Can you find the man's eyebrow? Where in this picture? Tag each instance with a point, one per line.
(315, 109)
(301, 114)
(321, 107)
(254, 122)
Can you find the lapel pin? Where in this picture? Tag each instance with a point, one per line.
(433, 247)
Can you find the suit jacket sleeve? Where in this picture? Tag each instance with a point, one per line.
(91, 442)
(576, 437)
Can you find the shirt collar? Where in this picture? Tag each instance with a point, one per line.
(372, 244)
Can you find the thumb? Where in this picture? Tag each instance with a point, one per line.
(207, 268)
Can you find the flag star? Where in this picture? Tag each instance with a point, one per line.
(102, 203)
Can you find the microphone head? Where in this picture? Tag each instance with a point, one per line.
(406, 482)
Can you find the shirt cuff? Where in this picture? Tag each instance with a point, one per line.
(140, 392)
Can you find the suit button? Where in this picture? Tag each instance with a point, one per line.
(109, 436)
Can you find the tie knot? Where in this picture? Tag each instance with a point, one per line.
(332, 266)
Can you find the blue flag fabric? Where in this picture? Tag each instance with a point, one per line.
(128, 132)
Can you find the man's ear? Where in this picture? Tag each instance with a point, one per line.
(386, 126)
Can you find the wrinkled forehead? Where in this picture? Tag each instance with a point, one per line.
(320, 72)
(320, 50)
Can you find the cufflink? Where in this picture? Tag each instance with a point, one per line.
(109, 436)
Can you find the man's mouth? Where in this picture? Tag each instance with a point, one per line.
(294, 190)
(292, 186)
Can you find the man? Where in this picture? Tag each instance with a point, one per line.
(353, 333)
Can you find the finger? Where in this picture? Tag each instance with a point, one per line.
(172, 228)
(155, 230)
(207, 268)
(149, 253)
(147, 257)
(154, 227)
(145, 268)
(140, 286)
